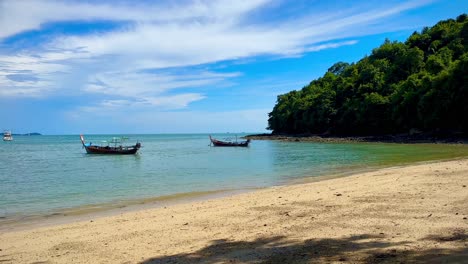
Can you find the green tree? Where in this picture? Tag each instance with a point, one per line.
(420, 83)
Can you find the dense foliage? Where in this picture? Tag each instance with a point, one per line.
(421, 84)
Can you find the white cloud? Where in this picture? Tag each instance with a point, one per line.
(38, 75)
(146, 84)
(153, 103)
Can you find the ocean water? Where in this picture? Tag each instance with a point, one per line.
(45, 175)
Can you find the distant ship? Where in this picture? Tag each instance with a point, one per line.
(7, 135)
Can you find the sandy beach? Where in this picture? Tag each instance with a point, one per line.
(411, 214)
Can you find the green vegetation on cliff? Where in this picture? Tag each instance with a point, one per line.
(419, 84)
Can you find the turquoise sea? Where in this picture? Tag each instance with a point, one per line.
(47, 175)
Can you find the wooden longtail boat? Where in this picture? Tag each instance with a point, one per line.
(219, 143)
(116, 149)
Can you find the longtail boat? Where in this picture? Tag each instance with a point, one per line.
(116, 148)
(219, 143)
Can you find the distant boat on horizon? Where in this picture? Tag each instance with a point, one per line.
(7, 135)
(219, 143)
(116, 149)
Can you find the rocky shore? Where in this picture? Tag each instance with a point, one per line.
(398, 138)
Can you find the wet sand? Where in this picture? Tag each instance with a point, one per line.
(406, 214)
(90, 212)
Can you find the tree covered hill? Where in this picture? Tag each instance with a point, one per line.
(421, 84)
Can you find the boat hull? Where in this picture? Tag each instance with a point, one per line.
(108, 150)
(111, 150)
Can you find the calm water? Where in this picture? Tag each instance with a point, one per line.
(42, 175)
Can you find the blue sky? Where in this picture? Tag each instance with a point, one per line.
(69, 67)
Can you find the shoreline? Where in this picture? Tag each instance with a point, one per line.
(400, 138)
(414, 213)
(96, 211)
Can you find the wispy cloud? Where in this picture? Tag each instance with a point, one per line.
(13, 18)
(162, 102)
(144, 84)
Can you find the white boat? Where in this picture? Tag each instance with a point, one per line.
(7, 135)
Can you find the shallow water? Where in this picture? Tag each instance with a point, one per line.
(43, 175)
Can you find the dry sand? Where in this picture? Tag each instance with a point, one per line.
(407, 214)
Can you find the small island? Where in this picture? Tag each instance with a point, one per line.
(29, 134)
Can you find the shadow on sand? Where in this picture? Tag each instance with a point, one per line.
(354, 249)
